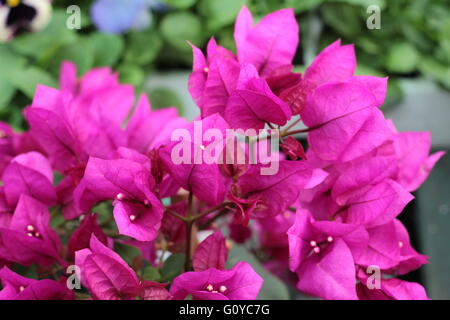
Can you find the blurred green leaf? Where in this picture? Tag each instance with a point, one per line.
(300, 6)
(164, 97)
(436, 71)
(151, 274)
(81, 53)
(219, 13)
(178, 27)
(131, 74)
(27, 80)
(173, 266)
(180, 4)
(107, 49)
(402, 58)
(128, 253)
(143, 47)
(273, 288)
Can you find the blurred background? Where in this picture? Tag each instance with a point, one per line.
(144, 41)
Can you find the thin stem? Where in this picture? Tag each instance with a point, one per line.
(290, 133)
(176, 215)
(201, 215)
(188, 223)
(291, 125)
(212, 219)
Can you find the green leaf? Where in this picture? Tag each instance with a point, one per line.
(173, 266)
(436, 71)
(151, 274)
(402, 58)
(143, 47)
(273, 288)
(178, 27)
(180, 4)
(164, 97)
(27, 80)
(7, 91)
(131, 74)
(81, 53)
(220, 13)
(107, 49)
(128, 253)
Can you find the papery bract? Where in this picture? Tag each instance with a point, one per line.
(16, 287)
(105, 274)
(137, 211)
(239, 283)
(211, 253)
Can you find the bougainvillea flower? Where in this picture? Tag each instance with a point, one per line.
(149, 129)
(6, 145)
(211, 253)
(273, 236)
(29, 237)
(239, 283)
(6, 211)
(154, 291)
(414, 170)
(31, 174)
(105, 274)
(81, 237)
(393, 289)
(335, 63)
(213, 78)
(253, 104)
(16, 287)
(174, 229)
(270, 44)
(188, 161)
(375, 205)
(322, 254)
(239, 233)
(389, 248)
(410, 259)
(278, 191)
(344, 121)
(244, 208)
(137, 211)
(293, 148)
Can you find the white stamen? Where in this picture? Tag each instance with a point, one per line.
(316, 249)
(37, 234)
(21, 288)
(29, 234)
(330, 239)
(30, 228)
(312, 243)
(206, 69)
(132, 217)
(120, 196)
(210, 287)
(222, 289)
(400, 244)
(146, 202)
(215, 291)
(202, 147)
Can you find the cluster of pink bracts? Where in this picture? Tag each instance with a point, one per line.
(324, 218)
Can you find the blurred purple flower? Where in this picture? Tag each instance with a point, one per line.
(117, 16)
